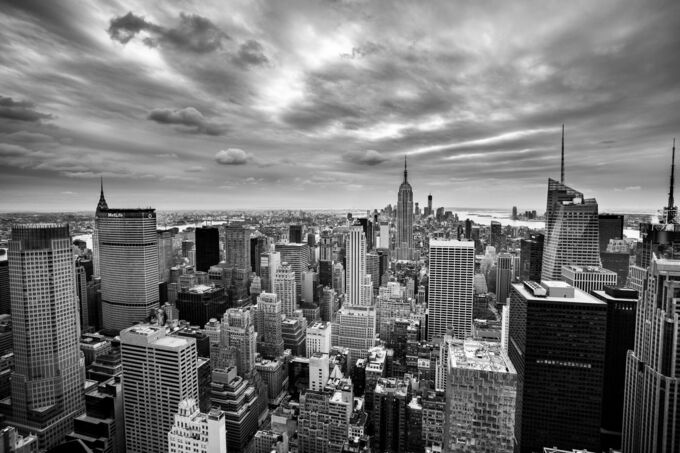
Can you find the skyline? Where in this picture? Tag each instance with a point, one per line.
(304, 105)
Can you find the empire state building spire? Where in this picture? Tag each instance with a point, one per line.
(671, 210)
(405, 170)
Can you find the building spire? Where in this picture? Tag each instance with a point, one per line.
(102, 206)
(562, 166)
(671, 209)
(405, 170)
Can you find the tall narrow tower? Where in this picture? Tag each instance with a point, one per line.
(47, 382)
(405, 218)
(671, 211)
(356, 267)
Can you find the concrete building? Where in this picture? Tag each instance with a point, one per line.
(451, 289)
(47, 382)
(298, 256)
(572, 229)
(238, 341)
(269, 264)
(319, 371)
(284, 287)
(569, 354)
(237, 247)
(354, 329)
(268, 318)
(588, 278)
(480, 403)
(310, 280)
(357, 292)
(323, 424)
(390, 417)
(293, 330)
(196, 432)
(159, 371)
(339, 278)
(274, 374)
(318, 338)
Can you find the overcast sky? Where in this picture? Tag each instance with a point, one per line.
(313, 104)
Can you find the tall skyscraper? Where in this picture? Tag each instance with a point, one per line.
(610, 227)
(450, 284)
(429, 205)
(5, 303)
(207, 247)
(356, 268)
(166, 255)
(405, 219)
(295, 234)
(269, 264)
(128, 263)
(159, 371)
(284, 287)
(268, 325)
(531, 257)
(239, 340)
(326, 246)
(560, 365)
(237, 247)
(297, 255)
(503, 277)
(47, 383)
(650, 417)
(572, 231)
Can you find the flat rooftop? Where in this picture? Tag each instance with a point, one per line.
(479, 355)
(580, 297)
(451, 243)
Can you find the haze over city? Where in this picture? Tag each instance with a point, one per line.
(205, 105)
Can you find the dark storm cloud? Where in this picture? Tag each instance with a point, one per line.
(250, 53)
(368, 157)
(189, 117)
(20, 110)
(193, 33)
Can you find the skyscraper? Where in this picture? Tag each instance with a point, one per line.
(207, 247)
(503, 277)
(572, 229)
(239, 340)
(284, 287)
(429, 205)
(295, 234)
(269, 264)
(531, 257)
(127, 245)
(237, 247)
(356, 268)
(47, 383)
(297, 255)
(196, 432)
(405, 219)
(610, 227)
(268, 325)
(451, 288)
(650, 417)
(560, 365)
(159, 371)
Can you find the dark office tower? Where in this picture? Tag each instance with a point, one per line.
(166, 254)
(503, 277)
(199, 303)
(621, 307)
(367, 228)
(496, 235)
(237, 247)
(128, 262)
(404, 244)
(187, 248)
(611, 227)
(390, 400)
(650, 415)
(468, 229)
(531, 257)
(5, 304)
(514, 213)
(417, 209)
(560, 365)
(295, 234)
(326, 246)
(429, 205)
(326, 273)
(207, 247)
(572, 230)
(47, 383)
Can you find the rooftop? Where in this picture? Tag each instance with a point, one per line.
(589, 269)
(580, 297)
(478, 355)
(451, 243)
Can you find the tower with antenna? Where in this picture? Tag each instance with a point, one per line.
(562, 165)
(670, 212)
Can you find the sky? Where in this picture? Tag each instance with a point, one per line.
(314, 104)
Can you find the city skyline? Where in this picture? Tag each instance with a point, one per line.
(308, 105)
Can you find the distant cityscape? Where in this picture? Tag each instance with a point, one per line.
(404, 329)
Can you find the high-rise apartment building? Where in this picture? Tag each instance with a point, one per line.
(650, 417)
(531, 257)
(588, 278)
(207, 247)
(268, 325)
(196, 432)
(47, 383)
(572, 231)
(237, 247)
(569, 354)
(404, 243)
(323, 425)
(451, 288)
(159, 371)
(504, 270)
(356, 269)
(284, 287)
(128, 263)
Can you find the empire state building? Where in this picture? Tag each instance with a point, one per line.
(405, 219)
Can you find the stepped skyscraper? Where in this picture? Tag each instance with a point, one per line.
(47, 383)
(572, 228)
(404, 244)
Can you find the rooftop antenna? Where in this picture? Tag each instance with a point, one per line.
(562, 166)
(405, 171)
(670, 216)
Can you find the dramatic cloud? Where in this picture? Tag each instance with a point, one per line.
(250, 53)
(189, 117)
(232, 156)
(368, 157)
(20, 110)
(193, 33)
